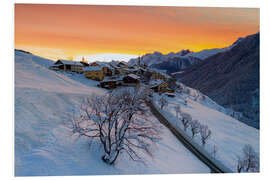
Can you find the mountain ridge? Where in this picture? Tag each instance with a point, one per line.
(231, 78)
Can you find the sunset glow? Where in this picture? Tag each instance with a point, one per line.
(69, 31)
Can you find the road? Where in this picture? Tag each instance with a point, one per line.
(215, 168)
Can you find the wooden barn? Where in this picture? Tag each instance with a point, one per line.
(67, 65)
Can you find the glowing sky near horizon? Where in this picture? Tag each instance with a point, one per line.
(73, 31)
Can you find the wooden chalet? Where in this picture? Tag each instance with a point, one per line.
(94, 72)
(131, 80)
(160, 86)
(67, 65)
(107, 69)
(134, 70)
(122, 64)
(111, 82)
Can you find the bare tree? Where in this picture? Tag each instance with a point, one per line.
(240, 165)
(188, 91)
(177, 110)
(197, 96)
(119, 121)
(163, 102)
(185, 102)
(205, 134)
(249, 162)
(214, 151)
(195, 127)
(186, 119)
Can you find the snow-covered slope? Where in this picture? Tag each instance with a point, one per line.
(206, 53)
(45, 100)
(228, 134)
(32, 72)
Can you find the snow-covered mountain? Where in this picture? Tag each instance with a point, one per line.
(175, 62)
(204, 54)
(157, 57)
(231, 78)
(45, 100)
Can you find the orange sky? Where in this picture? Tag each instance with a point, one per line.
(66, 31)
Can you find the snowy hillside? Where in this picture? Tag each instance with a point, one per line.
(228, 134)
(45, 100)
(206, 53)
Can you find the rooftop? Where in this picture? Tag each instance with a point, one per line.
(93, 68)
(133, 76)
(69, 62)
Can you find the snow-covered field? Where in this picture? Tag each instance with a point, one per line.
(45, 100)
(228, 134)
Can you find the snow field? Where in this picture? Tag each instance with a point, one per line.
(44, 145)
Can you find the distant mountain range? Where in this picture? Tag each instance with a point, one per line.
(231, 78)
(175, 62)
(229, 75)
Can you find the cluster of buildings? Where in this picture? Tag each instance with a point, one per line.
(114, 74)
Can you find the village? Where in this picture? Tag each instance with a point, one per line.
(114, 74)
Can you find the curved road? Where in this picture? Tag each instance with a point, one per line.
(215, 167)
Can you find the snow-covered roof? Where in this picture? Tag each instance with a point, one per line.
(158, 70)
(69, 62)
(165, 75)
(93, 68)
(133, 76)
(122, 62)
(156, 82)
(101, 64)
(113, 78)
(141, 68)
(133, 70)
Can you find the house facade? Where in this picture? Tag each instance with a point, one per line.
(160, 86)
(107, 69)
(131, 80)
(94, 72)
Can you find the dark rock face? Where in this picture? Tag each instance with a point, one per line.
(231, 78)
